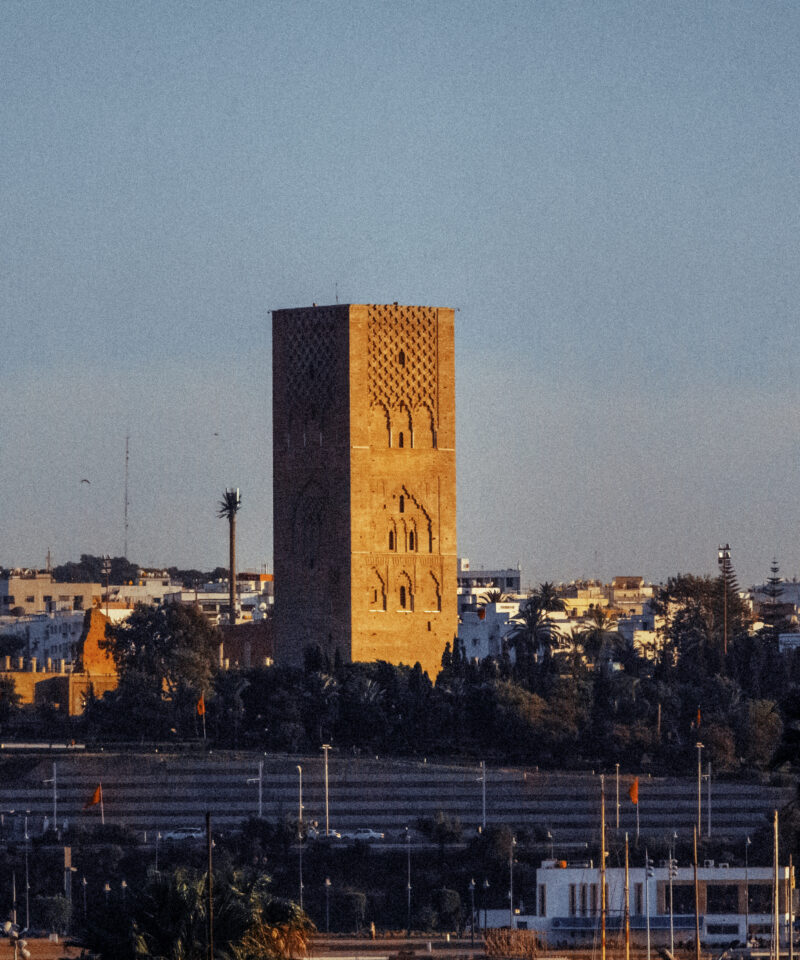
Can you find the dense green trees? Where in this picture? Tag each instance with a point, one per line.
(167, 917)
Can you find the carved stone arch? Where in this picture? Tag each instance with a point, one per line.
(412, 539)
(380, 430)
(308, 525)
(377, 591)
(424, 430)
(402, 427)
(413, 509)
(404, 591)
(431, 593)
(391, 536)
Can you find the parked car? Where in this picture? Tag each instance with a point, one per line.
(365, 833)
(184, 833)
(317, 833)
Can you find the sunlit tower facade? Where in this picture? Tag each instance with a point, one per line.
(364, 482)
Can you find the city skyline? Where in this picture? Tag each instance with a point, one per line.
(607, 194)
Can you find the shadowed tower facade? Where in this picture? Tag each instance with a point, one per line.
(364, 482)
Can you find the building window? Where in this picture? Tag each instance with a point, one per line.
(573, 900)
(400, 439)
(402, 598)
(583, 899)
(391, 539)
(594, 899)
(402, 498)
(542, 900)
(411, 540)
(638, 899)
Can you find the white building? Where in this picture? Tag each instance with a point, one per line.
(46, 636)
(566, 907)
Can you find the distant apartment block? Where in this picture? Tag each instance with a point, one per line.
(507, 579)
(35, 591)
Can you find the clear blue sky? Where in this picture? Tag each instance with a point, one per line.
(607, 192)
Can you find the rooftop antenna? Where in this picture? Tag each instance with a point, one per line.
(125, 551)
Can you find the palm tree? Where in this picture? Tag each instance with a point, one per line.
(600, 638)
(227, 509)
(492, 596)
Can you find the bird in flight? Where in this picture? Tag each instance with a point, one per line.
(84, 480)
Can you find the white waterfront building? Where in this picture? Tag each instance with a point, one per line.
(733, 901)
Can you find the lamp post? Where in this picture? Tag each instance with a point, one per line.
(85, 907)
(511, 883)
(746, 894)
(408, 879)
(27, 878)
(472, 912)
(673, 872)
(327, 904)
(699, 788)
(260, 781)
(617, 768)
(300, 828)
(485, 903)
(325, 748)
(107, 891)
(124, 888)
(483, 794)
(552, 845)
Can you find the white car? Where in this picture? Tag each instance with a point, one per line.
(364, 833)
(184, 833)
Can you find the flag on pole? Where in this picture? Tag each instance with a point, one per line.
(698, 718)
(201, 706)
(633, 792)
(96, 797)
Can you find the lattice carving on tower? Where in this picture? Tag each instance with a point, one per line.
(310, 360)
(403, 357)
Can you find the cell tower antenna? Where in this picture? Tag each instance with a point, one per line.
(125, 551)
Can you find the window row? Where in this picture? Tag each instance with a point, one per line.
(402, 595)
(401, 428)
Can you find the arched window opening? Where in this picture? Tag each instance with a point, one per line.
(402, 598)
(411, 540)
(402, 503)
(430, 541)
(400, 439)
(401, 359)
(391, 539)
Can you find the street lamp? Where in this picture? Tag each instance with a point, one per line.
(107, 891)
(408, 880)
(85, 908)
(746, 894)
(552, 845)
(485, 903)
(260, 781)
(617, 766)
(325, 748)
(327, 904)
(699, 788)
(511, 883)
(124, 888)
(27, 878)
(300, 828)
(472, 912)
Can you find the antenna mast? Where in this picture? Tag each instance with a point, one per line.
(125, 551)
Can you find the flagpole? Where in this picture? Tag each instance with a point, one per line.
(626, 913)
(602, 867)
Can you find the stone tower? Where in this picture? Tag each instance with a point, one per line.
(364, 482)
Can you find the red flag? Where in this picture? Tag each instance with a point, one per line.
(633, 791)
(201, 706)
(698, 718)
(95, 798)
